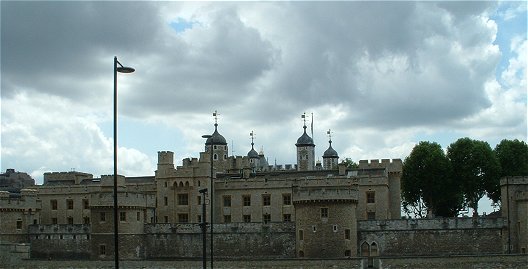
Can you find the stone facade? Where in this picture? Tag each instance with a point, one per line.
(258, 210)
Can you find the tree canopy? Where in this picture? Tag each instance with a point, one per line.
(476, 168)
(513, 157)
(427, 182)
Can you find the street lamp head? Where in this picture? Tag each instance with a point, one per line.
(125, 69)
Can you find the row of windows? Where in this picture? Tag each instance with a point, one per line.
(266, 218)
(346, 232)
(122, 216)
(54, 204)
(266, 200)
(62, 236)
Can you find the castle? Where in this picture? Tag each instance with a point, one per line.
(306, 210)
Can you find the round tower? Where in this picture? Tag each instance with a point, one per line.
(330, 157)
(305, 152)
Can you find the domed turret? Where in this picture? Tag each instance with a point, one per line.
(216, 138)
(330, 157)
(305, 151)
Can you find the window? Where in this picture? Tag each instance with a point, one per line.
(334, 228)
(247, 218)
(183, 218)
(301, 235)
(86, 220)
(165, 201)
(371, 215)
(301, 253)
(247, 200)
(348, 253)
(138, 216)
(266, 218)
(166, 219)
(215, 156)
(86, 204)
(70, 220)
(122, 216)
(199, 199)
(69, 204)
(183, 199)
(227, 201)
(374, 249)
(102, 216)
(371, 197)
(227, 218)
(35, 221)
(347, 234)
(199, 218)
(314, 228)
(102, 249)
(266, 199)
(19, 224)
(286, 217)
(166, 184)
(53, 204)
(365, 249)
(324, 212)
(54, 221)
(286, 199)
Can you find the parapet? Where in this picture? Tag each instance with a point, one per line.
(165, 157)
(391, 166)
(72, 177)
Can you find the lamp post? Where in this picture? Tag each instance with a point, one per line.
(204, 230)
(212, 194)
(120, 69)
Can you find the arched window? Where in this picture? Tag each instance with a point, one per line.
(186, 183)
(373, 249)
(215, 156)
(181, 184)
(365, 249)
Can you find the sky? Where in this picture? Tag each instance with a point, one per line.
(382, 76)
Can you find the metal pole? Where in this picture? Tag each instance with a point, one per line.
(204, 230)
(212, 203)
(116, 216)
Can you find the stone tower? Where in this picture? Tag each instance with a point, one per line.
(326, 223)
(305, 152)
(253, 155)
(330, 157)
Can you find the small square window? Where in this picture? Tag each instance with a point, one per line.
(138, 216)
(227, 218)
(301, 235)
(183, 218)
(70, 220)
(86, 220)
(19, 224)
(69, 204)
(122, 216)
(183, 199)
(199, 218)
(53, 204)
(266, 199)
(266, 218)
(199, 199)
(54, 221)
(227, 201)
(102, 249)
(86, 204)
(286, 217)
(347, 234)
(371, 197)
(166, 219)
(247, 218)
(165, 201)
(247, 200)
(102, 217)
(324, 212)
(334, 228)
(286, 199)
(371, 215)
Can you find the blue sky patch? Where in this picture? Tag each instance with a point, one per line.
(180, 25)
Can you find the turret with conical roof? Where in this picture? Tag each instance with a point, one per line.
(305, 151)
(330, 157)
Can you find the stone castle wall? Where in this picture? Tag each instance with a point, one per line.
(446, 236)
(273, 240)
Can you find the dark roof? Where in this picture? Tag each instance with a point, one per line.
(305, 139)
(216, 138)
(330, 152)
(252, 153)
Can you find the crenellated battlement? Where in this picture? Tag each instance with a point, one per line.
(72, 177)
(165, 157)
(391, 165)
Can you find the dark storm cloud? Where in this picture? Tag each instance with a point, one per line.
(56, 47)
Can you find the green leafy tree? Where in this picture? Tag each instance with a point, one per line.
(513, 159)
(427, 182)
(350, 164)
(475, 167)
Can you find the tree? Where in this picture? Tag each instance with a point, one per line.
(513, 158)
(427, 182)
(476, 168)
(350, 164)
